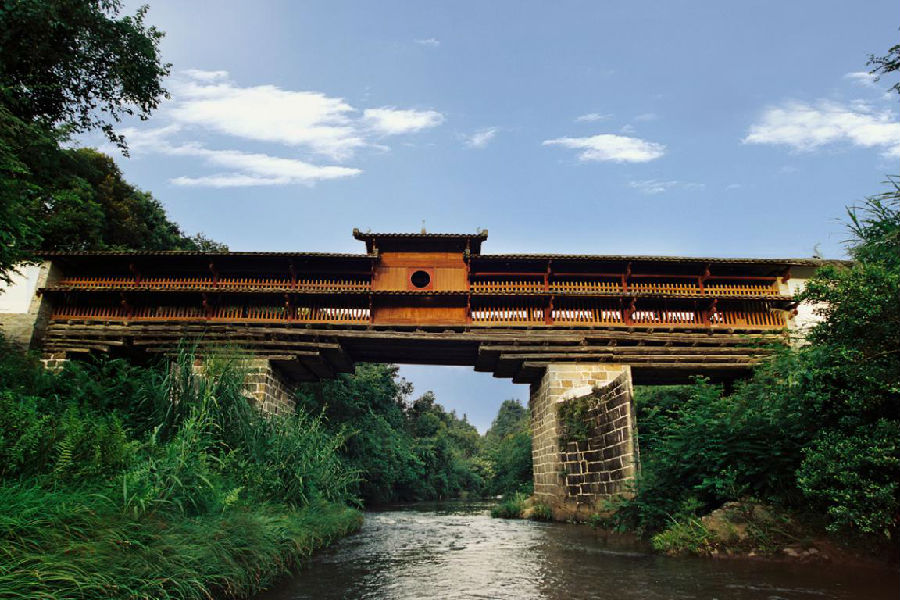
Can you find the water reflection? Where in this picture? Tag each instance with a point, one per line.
(458, 551)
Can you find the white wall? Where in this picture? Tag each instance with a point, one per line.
(15, 297)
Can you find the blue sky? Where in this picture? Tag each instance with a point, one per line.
(689, 128)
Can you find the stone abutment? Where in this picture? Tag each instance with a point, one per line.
(578, 465)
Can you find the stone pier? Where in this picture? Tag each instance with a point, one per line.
(573, 475)
(269, 389)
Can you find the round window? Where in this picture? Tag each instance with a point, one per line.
(420, 279)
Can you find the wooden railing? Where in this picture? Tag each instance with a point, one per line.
(330, 284)
(575, 286)
(507, 315)
(586, 286)
(511, 286)
(251, 313)
(753, 315)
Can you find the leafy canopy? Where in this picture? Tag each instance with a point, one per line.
(79, 63)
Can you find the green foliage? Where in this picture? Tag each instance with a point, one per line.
(856, 477)
(74, 543)
(511, 507)
(689, 536)
(90, 206)
(79, 63)
(403, 451)
(124, 481)
(541, 512)
(816, 427)
(574, 420)
(415, 450)
(883, 65)
(67, 66)
(369, 404)
(700, 449)
(507, 450)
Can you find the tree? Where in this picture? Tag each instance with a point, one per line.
(79, 64)
(851, 384)
(69, 66)
(90, 206)
(507, 445)
(889, 63)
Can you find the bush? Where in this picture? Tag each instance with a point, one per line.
(511, 507)
(855, 477)
(689, 536)
(541, 512)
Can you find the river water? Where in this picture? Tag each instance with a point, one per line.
(458, 551)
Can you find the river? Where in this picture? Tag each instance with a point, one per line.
(458, 551)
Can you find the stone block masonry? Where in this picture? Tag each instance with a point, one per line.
(604, 462)
(573, 479)
(269, 389)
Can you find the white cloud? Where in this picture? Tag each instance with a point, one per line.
(647, 117)
(393, 121)
(228, 180)
(206, 76)
(249, 168)
(808, 127)
(309, 122)
(863, 78)
(654, 186)
(272, 168)
(269, 114)
(610, 147)
(591, 117)
(480, 138)
(734, 186)
(430, 42)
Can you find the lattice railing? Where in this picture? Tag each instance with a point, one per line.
(506, 286)
(248, 313)
(585, 286)
(330, 284)
(587, 312)
(571, 311)
(574, 286)
(507, 314)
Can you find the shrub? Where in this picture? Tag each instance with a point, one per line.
(855, 477)
(511, 507)
(688, 536)
(541, 512)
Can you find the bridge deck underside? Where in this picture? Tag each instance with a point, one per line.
(307, 352)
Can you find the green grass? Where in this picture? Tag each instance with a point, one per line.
(689, 536)
(541, 512)
(119, 481)
(81, 545)
(511, 507)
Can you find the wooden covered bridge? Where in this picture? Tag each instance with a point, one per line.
(569, 325)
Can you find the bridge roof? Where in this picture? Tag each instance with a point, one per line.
(422, 241)
(806, 262)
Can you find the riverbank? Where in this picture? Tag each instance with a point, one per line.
(751, 530)
(737, 530)
(82, 545)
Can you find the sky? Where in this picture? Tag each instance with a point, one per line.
(672, 128)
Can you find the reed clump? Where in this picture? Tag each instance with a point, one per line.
(119, 481)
